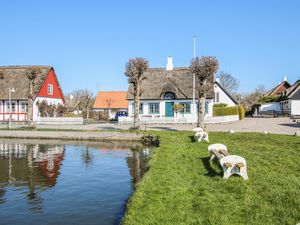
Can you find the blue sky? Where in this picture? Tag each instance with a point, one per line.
(88, 42)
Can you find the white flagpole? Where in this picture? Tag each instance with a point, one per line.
(194, 102)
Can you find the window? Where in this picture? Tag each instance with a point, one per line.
(169, 95)
(23, 107)
(13, 107)
(50, 89)
(141, 108)
(186, 107)
(153, 108)
(217, 97)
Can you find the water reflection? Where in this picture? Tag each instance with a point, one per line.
(33, 170)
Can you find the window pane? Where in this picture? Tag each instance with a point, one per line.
(153, 108)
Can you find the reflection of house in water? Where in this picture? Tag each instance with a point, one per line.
(33, 164)
(137, 163)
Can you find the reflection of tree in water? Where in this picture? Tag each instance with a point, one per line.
(87, 156)
(2, 195)
(34, 200)
(137, 163)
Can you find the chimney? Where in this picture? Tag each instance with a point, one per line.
(170, 65)
(217, 79)
(285, 78)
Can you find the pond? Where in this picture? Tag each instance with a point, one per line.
(43, 182)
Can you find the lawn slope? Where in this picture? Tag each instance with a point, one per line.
(184, 187)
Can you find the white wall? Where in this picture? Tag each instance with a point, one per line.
(223, 97)
(53, 101)
(270, 106)
(162, 108)
(295, 107)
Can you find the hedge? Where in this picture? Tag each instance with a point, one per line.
(241, 112)
(225, 111)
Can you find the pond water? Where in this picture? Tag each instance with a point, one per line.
(62, 183)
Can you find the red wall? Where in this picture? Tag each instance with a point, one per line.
(51, 79)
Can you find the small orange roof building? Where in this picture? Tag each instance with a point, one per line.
(111, 100)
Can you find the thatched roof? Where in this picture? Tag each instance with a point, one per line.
(278, 89)
(159, 81)
(292, 92)
(16, 77)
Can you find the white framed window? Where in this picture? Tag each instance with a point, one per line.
(23, 107)
(13, 107)
(50, 89)
(217, 97)
(153, 108)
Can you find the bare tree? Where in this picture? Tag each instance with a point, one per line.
(87, 100)
(135, 71)
(229, 82)
(253, 97)
(108, 102)
(31, 76)
(204, 70)
(75, 103)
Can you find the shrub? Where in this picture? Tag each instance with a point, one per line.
(266, 99)
(241, 112)
(220, 105)
(225, 111)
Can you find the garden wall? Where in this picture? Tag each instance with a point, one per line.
(60, 120)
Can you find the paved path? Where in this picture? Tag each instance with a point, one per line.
(280, 125)
(71, 135)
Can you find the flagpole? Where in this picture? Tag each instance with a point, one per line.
(194, 102)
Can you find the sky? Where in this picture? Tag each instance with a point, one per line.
(89, 42)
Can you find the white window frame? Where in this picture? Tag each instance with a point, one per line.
(154, 108)
(21, 108)
(7, 108)
(50, 89)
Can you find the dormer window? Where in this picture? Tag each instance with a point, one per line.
(169, 95)
(50, 89)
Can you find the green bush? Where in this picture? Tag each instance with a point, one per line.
(220, 105)
(241, 112)
(225, 111)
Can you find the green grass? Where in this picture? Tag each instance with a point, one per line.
(184, 187)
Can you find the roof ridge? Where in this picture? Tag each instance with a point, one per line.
(24, 66)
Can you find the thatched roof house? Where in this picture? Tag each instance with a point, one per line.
(160, 81)
(167, 96)
(15, 78)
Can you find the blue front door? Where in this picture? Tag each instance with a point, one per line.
(169, 109)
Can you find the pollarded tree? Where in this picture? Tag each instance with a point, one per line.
(204, 70)
(31, 76)
(135, 71)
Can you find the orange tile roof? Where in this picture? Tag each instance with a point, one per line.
(111, 99)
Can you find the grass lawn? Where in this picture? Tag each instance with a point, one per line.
(184, 187)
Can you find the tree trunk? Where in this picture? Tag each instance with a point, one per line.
(30, 104)
(201, 106)
(87, 112)
(136, 121)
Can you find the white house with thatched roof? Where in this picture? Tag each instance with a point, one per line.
(165, 87)
(14, 83)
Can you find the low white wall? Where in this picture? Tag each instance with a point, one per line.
(60, 120)
(221, 119)
(172, 120)
(270, 106)
(295, 107)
